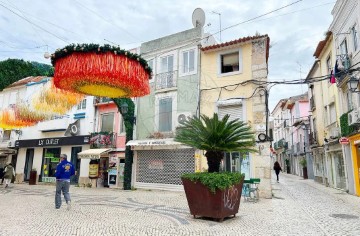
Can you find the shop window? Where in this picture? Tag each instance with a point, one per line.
(50, 160)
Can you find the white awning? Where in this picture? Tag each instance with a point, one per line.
(93, 153)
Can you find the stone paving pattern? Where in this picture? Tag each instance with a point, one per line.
(298, 207)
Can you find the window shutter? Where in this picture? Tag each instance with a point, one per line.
(235, 112)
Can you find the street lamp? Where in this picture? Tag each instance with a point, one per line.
(124, 110)
(353, 85)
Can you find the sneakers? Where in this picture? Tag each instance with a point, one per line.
(68, 206)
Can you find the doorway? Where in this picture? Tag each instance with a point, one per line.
(76, 162)
(28, 163)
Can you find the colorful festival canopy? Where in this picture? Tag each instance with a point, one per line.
(105, 71)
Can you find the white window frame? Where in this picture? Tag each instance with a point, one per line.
(82, 105)
(101, 120)
(181, 62)
(355, 37)
(153, 68)
(160, 96)
(158, 61)
(239, 50)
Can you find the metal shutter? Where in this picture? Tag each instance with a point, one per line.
(235, 112)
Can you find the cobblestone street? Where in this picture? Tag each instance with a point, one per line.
(298, 207)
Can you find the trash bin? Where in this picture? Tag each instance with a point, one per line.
(33, 176)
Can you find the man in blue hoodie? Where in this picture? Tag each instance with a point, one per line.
(64, 171)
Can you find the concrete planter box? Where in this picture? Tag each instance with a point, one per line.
(203, 203)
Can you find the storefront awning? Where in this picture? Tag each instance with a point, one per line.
(149, 144)
(93, 153)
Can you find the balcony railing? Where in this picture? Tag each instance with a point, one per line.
(344, 63)
(166, 80)
(99, 100)
(102, 140)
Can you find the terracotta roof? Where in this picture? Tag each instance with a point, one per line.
(240, 40)
(30, 79)
(322, 44)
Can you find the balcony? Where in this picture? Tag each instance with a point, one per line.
(166, 80)
(101, 100)
(344, 63)
(102, 140)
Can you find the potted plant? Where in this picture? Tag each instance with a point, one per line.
(213, 194)
(303, 163)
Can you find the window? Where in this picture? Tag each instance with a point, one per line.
(188, 61)
(151, 65)
(82, 105)
(107, 122)
(6, 135)
(355, 37)
(165, 114)
(122, 126)
(343, 47)
(167, 63)
(349, 100)
(229, 62)
(332, 113)
(328, 65)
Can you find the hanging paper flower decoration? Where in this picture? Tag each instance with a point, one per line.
(101, 71)
(52, 100)
(20, 116)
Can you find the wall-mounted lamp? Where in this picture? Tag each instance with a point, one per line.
(353, 85)
(124, 110)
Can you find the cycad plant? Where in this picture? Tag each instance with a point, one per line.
(216, 136)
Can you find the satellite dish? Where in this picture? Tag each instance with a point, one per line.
(198, 17)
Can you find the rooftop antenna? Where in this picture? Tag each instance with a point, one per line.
(218, 13)
(198, 17)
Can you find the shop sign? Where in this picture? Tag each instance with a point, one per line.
(49, 179)
(344, 141)
(93, 170)
(61, 141)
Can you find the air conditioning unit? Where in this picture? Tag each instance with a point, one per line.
(335, 133)
(183, 116)
(353, 118)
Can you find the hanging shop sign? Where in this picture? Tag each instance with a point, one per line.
(344, 141)
(93, 169)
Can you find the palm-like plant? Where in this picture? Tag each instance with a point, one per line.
(216, 137)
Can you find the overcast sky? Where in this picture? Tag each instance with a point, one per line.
(29, 28)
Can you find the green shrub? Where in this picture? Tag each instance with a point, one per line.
(302, 162)
(215, 180)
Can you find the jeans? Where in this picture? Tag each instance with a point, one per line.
(63, 186)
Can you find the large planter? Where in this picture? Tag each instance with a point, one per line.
(33, 177)
(305, 174)
(203, 203)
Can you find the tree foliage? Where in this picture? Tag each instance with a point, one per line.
(12, 70)
(216, 136)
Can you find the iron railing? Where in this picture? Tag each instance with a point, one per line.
(102, 140)
(166, 80)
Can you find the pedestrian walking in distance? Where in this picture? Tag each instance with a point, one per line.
(64, 171)
(9, 173)
(277, 169)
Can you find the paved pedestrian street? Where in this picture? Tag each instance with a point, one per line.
(298, 207)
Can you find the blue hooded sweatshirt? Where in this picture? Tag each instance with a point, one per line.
(64, 170)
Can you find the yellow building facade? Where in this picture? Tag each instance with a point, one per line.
(233, 81)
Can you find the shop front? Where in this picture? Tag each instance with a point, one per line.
(159, 163)
(43, 155)
(101, 168)
(335, 165)
(355, 154)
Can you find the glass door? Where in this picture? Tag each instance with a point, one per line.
(28, 163)
(76, 162)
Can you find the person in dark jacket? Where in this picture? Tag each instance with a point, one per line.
(64, 171)
(277, 169)
(9, 173)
